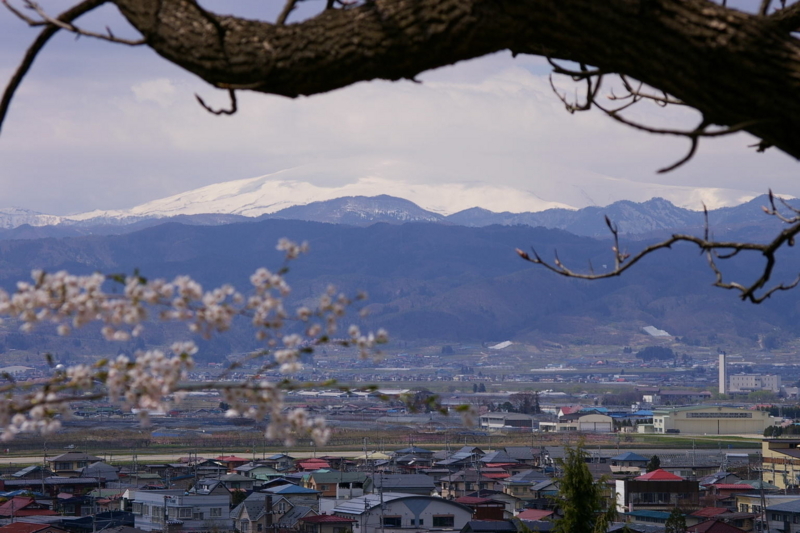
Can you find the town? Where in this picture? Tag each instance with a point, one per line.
(708, 438)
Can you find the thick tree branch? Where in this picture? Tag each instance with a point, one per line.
(734, 67)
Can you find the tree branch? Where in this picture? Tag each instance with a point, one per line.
(736, 68)
(37, 45)
(713, 250)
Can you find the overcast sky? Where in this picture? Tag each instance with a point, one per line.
(103, 126)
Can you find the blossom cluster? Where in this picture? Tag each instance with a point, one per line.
(148, 379)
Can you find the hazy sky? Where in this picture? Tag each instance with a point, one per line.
(103, 126)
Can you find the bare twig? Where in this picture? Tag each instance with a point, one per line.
(593, 78)
(37, 45)
(713, 250)
(284, 14)
(64, 25)
(230, 111)
(764, 9)
(637, 94)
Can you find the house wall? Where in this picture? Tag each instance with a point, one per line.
(200, 514)
(408, 512)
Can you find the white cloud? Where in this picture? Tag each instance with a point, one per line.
(161, 92)
(490, 124)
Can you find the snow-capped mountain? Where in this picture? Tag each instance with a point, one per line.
(12, 217)
(254, 197)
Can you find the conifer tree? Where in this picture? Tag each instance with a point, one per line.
(581, 499)
(676, 523)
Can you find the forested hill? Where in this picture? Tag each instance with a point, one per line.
(442, 282)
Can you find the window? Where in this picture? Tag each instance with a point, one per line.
(244, 525)
(261, 527)
(185, 512)
(421, 522)
(444, 521)
(391, 521)
(216, 512)
(146, 510)
(137, 508)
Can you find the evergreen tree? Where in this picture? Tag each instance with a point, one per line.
(676, 523)
(654, 463)
(581, 499)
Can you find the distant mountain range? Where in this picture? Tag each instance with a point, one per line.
(432, 281)
(635, 220)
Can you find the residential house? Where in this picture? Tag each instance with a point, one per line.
(25, 527)
(53, 486)
(658, 490)
(24, 506)
(280, 462)
(334, 484)
(208, 487)
(237, 482)
(258, 471)
(71, 463)
(521, 485)
(483, 508)
(265, 512)
(173, 510)
(230, 462)
(714, 526)
(525, 454)
(465, 481)
(490, 526)
(784, 517)
(296, 495)
(464, 457)
(396, 512)
(100, 470)
(403, 483)
(325, 524)
(311, 464)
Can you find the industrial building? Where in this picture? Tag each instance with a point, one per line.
(711, 420)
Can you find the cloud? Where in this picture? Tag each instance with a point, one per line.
(161, 92)
(77, 143)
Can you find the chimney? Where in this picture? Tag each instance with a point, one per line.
(268, 509)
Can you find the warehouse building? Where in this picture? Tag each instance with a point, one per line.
(711, 420)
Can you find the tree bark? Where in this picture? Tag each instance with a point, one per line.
(731, 66)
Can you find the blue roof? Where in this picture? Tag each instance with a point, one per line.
(629, 456)
(291, 489)
(643, 412)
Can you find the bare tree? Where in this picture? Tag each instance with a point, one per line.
(740, 71)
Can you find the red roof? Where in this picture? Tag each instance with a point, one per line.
(710, 511)
(326, 519)
(25, 527)
(533, 514)
(15, 505)
(232, 459)
(569, 409)
(497, 475)
(659, 475)
(732, 486)
(714, 526)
